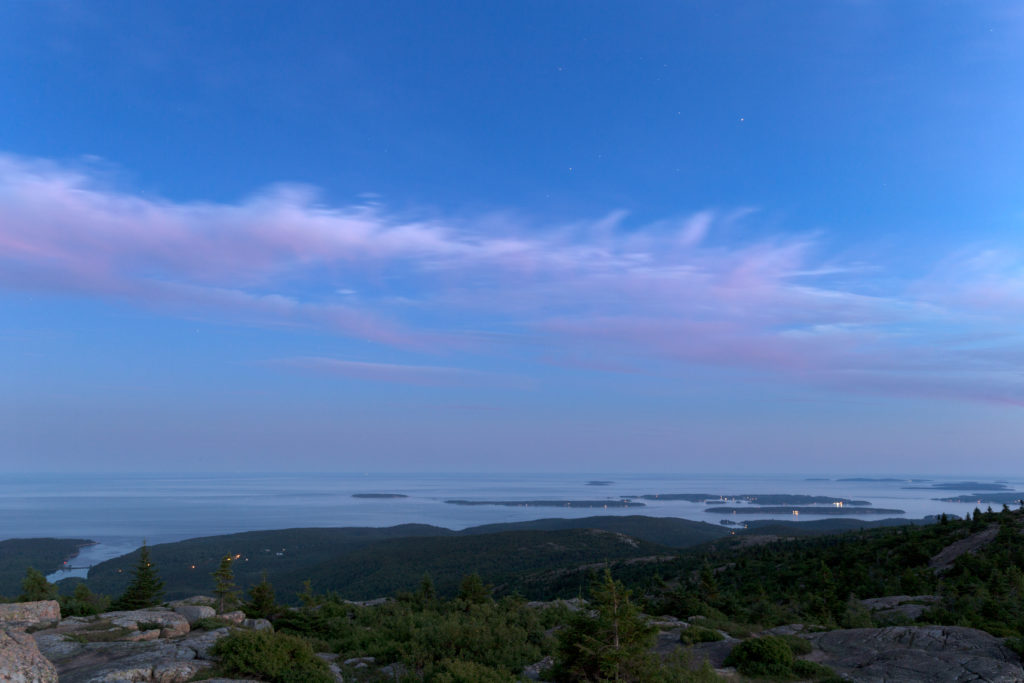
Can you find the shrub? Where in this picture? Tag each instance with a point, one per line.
(797, 645)
(766, 656)
(699, 634)
(461, 671)
(815, 672)
(84, 603)
(274, 657)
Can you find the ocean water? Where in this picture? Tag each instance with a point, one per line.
(119, 511)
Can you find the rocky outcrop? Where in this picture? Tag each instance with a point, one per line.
(170, 624)
(945, 558)
(94, 651)
(160, 661)
(258, 624)
(30, 615)
(236, 617)
(194, 613)
(938, 654)
(21, 661)
(895, 607)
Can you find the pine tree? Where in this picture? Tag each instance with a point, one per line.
(35, 587)
(145, 589)
(262, 601)
(224, 587)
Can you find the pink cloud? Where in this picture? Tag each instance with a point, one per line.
(671, 291)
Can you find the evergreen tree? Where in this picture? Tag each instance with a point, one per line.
(473, 590)
(613, 646)
(224, 587)
(145, 589)
(35, 587)
(262, 601)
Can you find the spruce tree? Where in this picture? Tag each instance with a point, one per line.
(262, 601)
(473, 591)
(613, 645)
(224, 587)
(145, 589)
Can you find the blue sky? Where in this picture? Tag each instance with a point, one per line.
(565, 236)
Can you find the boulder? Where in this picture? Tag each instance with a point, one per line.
(204, 600)
(21, 661)
(172, 624)
(236, 617)
(939, 654)
(40, 614)
(194, 613)
(258, 624)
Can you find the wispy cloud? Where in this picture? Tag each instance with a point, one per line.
(605, 290)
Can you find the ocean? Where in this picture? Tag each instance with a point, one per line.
(120, 511)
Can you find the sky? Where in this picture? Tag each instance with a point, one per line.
(537, 236)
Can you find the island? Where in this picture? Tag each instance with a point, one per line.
(882, 479)
(379, 495)
(599, 482)
(553, 503)
(962, 486)
(999, 498)
(691, 497)
(802, 510)
(757, 498)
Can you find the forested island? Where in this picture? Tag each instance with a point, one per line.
(830, 510)
(610, 503)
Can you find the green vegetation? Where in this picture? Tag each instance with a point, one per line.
(471, 623)
(442, 639)
(35, 587)
(700, 634)
(774, 658)
(145, 588)
(369, 563)
(83, 603)
(613, 645)
(45, 554)
(273, 657)
(262, 602)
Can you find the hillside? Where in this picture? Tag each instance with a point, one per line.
(290, 556)
(529, 562)
(44, 554)
(668, 531)
(185, 566)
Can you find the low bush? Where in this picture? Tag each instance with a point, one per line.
(699, 634)
(766, 656)
(797, 645)
(273, 657)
